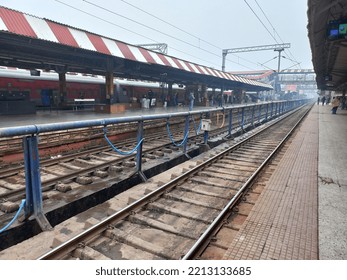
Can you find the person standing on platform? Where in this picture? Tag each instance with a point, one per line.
(318, 100)
(191, 100)
(175, 99)
(335, 103)
(323, 100)
(150, 96)
(328, 100)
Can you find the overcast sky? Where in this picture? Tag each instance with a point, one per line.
(196, 30)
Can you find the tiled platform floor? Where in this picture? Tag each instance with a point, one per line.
(283, 224)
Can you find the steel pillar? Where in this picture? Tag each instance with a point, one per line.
(242, 118)
(33, 204)
(186, 134)
(230, 126)
(259, 114)
(253, 109)
(62, 88)
(139, 152)
(110, 95)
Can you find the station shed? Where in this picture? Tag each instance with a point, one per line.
(34, 43)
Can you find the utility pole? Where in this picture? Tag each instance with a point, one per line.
(275, 47)
(277, 83)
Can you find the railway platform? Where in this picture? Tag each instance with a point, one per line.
(301, 212)
(55, 116)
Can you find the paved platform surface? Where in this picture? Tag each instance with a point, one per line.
(302, 211)
(332, 184)
(56, 116)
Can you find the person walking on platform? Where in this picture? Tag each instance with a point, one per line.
(318, 100)
(335, 103)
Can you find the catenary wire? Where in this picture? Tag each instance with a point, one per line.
(274, 29)
(136, 33)
(184, 31)
(156, 30)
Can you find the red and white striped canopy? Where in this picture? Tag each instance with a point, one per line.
(27, 25)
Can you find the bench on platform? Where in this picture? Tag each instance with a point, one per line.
(80, 103)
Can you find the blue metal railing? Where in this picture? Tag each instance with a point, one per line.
(33, 205)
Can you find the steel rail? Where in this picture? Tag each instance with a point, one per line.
(63, 249)
(49, 184)
(201, 243)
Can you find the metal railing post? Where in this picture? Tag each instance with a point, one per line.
(33, 205)
(139, 151)
(186, 134)
(205, 137)
(230, 125)
(242, 118)
(253, 109)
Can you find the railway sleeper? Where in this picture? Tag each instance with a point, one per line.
(88, 253)
(200, 216)
(226, 170)
(215, 206)
(198, 190)
(143, 220)
(218, 183)
(224, 176)
(9, 207)
(124, 237)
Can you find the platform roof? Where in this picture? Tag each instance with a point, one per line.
(31, 42)
(329, 57)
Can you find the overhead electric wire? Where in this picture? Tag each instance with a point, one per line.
(194, 36)
(290, 67)
(296, 62)
(156, 30)
(260, 20)
(274, 29)
(263, 64)
(168, 23)
(102, 19)
(136, 33)
(107, 21)
(265, 25)
(144, 25)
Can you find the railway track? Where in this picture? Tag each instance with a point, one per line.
(180, 218)
(66, 142)
(100, 161)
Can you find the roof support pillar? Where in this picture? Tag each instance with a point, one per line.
(110, 94)
(62, 88)
(238, 95)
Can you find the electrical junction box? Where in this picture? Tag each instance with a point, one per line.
(206, 124)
